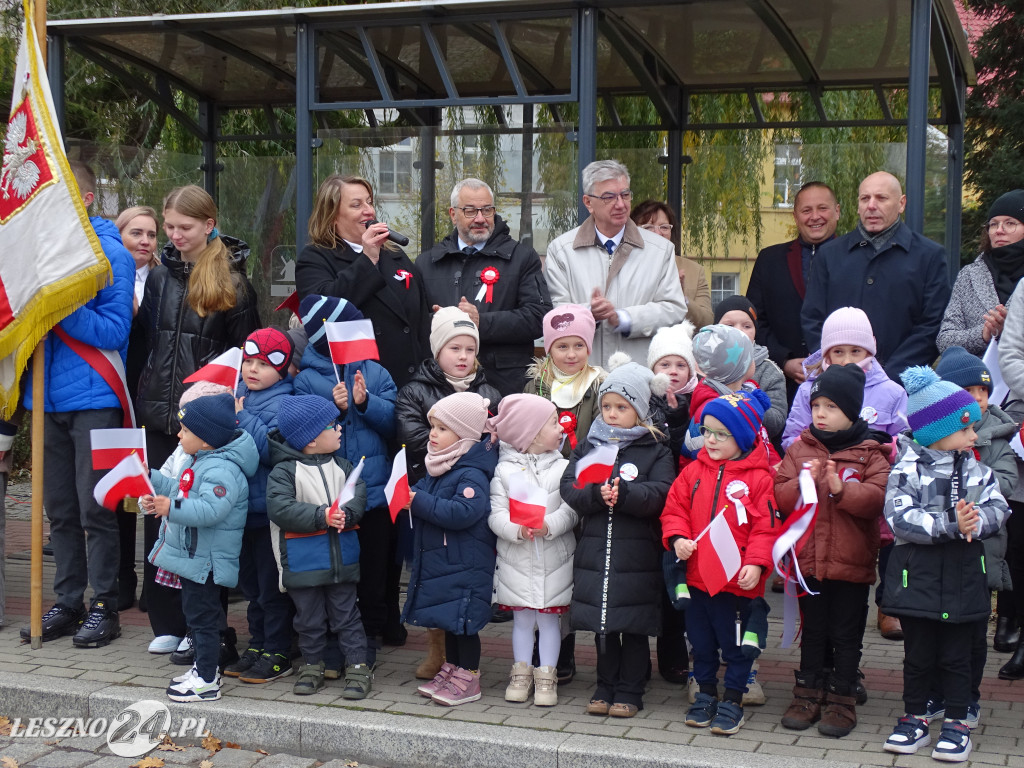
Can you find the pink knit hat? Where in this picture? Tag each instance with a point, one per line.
(201, 389)
(847, 325)
(520, 419)
(464, 413)
(568, 320)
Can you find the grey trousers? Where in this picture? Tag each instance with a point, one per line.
(336, 604)
(3, 544)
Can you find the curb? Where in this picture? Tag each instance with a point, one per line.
(377, 738)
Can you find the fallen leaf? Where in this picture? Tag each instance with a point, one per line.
(51, 743)
(8, 762)
(149, 762)
(263, 751)
(212, 743)
(232, 745)
(351, 764)
(206, 764)
(5, 726)
(170, 747)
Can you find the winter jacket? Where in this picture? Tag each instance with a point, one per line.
(451, 575)
(705, 391)
(640, 278)
(584, 412)
(903, 290)
(934, 572)
(102, 322)
(1011, 346)
(844, 543)
(632, 570)
(415, 400)
(995, 430)
(203, 531)
(974, 294)
(702, 491)
(511, 321)
(300, 490)
(772, 382)
(885, 403)
(258, 417)
(179, 341)
(390, 294)
(696, 291)
(365, 431)
(532, 574)
(673, 422)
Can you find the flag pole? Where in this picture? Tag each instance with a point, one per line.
(38, 382)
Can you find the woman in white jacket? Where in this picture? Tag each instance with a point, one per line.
(533, 575)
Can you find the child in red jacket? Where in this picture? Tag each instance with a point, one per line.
(730, 477)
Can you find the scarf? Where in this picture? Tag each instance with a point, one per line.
(603, 434)
(439, 462)
(879, 240)
(843, 438)
(1007, 267)
(460, 385)
(566, 390)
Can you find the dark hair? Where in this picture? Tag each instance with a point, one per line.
(815, 185)
(648, 209)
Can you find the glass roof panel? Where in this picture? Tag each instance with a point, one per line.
(343, 72)
(543, 50)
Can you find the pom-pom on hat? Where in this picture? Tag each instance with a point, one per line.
(741, 413)
(212, 419)
(723, 353)
(520, 419)
(270, 345)
(1009, 204)
(737, 303)
(847, 325)
(447, 323)
(673, 340)
(844, 386)
(464, 413)
(936, 408)
(633, 383)
(316, 310)
(568, 320)
(301, 418)
(960, 367)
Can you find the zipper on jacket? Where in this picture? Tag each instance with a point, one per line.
(983, 565)
(904, 578)
(693, 493)
(772, 513)
(718, 488)
(332, 540)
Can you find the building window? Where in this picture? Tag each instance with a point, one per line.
(787, 175)
(395, 173)
(723, 285)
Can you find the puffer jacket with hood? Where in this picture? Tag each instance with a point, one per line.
(995, 430)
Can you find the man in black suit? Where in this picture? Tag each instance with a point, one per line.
(778, 281)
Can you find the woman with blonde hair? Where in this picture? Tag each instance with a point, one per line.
(197, 304)
(138, 228)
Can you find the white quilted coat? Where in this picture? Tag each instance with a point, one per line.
(521, 577)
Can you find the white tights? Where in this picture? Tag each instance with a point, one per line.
(550, 640)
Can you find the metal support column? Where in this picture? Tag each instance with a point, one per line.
(674, 196)
(917, 110)
(526, 183)
(303, 134)
(55, 74)
(586, 146)
(208, 122)
(955, 180)
(428, 183)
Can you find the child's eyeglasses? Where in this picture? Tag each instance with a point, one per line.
(332, 426)
(720, 435)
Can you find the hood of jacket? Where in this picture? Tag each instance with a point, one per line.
(241, 451)
(482, 456)
(994, 425)
(238, 250)
(499, 244)
(539, 463)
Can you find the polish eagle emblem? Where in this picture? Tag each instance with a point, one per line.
(20, 174)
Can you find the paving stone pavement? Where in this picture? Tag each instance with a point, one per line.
(396, 727)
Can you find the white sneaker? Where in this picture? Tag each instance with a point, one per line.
(164, 644)
(192, 671)
(755, 693)
(194, 688)
(185, 644)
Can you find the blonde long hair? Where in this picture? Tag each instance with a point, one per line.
(211, 287)
(322, 230)
(125, 217)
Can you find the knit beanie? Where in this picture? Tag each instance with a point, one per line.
(271, 346)
(844, 386)
(960, 367)
(464, 413)
(316, 310)
(299, 341)
(301, 418)
(673, 340)
(936, 408)
(568, 320)
(741, 413)
(634, 383)
(520, 419)
(847, 325)
(211, 419)
(1009, 204)
(447, 323)
(201, 389)
(738, 303)
(723, 353)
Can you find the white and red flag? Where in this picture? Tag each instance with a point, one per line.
(526, 502)
(223, 370)
(786, 549)
(596, 466)
(720, 558)
(348, 491)
(51, 261)
(128, 478)
(351, 341)
(397, 489)
(109, 446)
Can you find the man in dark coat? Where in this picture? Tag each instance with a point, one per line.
(898, 277)
(494, 279)
(778, 281)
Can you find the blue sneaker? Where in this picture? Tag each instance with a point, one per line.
(728, 720)
(702, 712)
(954, 744)
(935, 710)
(909, 735)
(973, 718)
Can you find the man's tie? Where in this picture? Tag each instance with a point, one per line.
(469, 250)
(610, 247)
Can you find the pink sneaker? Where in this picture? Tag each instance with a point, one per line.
(429, 689)
(461, 686)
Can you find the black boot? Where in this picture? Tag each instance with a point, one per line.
(1014, 668)
(566, 667)
(1007, 634)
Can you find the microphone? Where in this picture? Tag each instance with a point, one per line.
(395, 237)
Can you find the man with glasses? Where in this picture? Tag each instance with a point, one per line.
(626, 275)
(898, 277)
(494, 279)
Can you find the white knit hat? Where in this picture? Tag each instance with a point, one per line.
(447, 323)
(673, 340)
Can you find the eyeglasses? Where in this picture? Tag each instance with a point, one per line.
(471, 213)
(610, 197)
(665, 228)
(1009, 226)
(274, 357)
(719, 435)
(332, 426)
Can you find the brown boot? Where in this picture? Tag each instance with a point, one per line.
(805, 709)
(431, 665)
(889, 627)
(840, 715)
